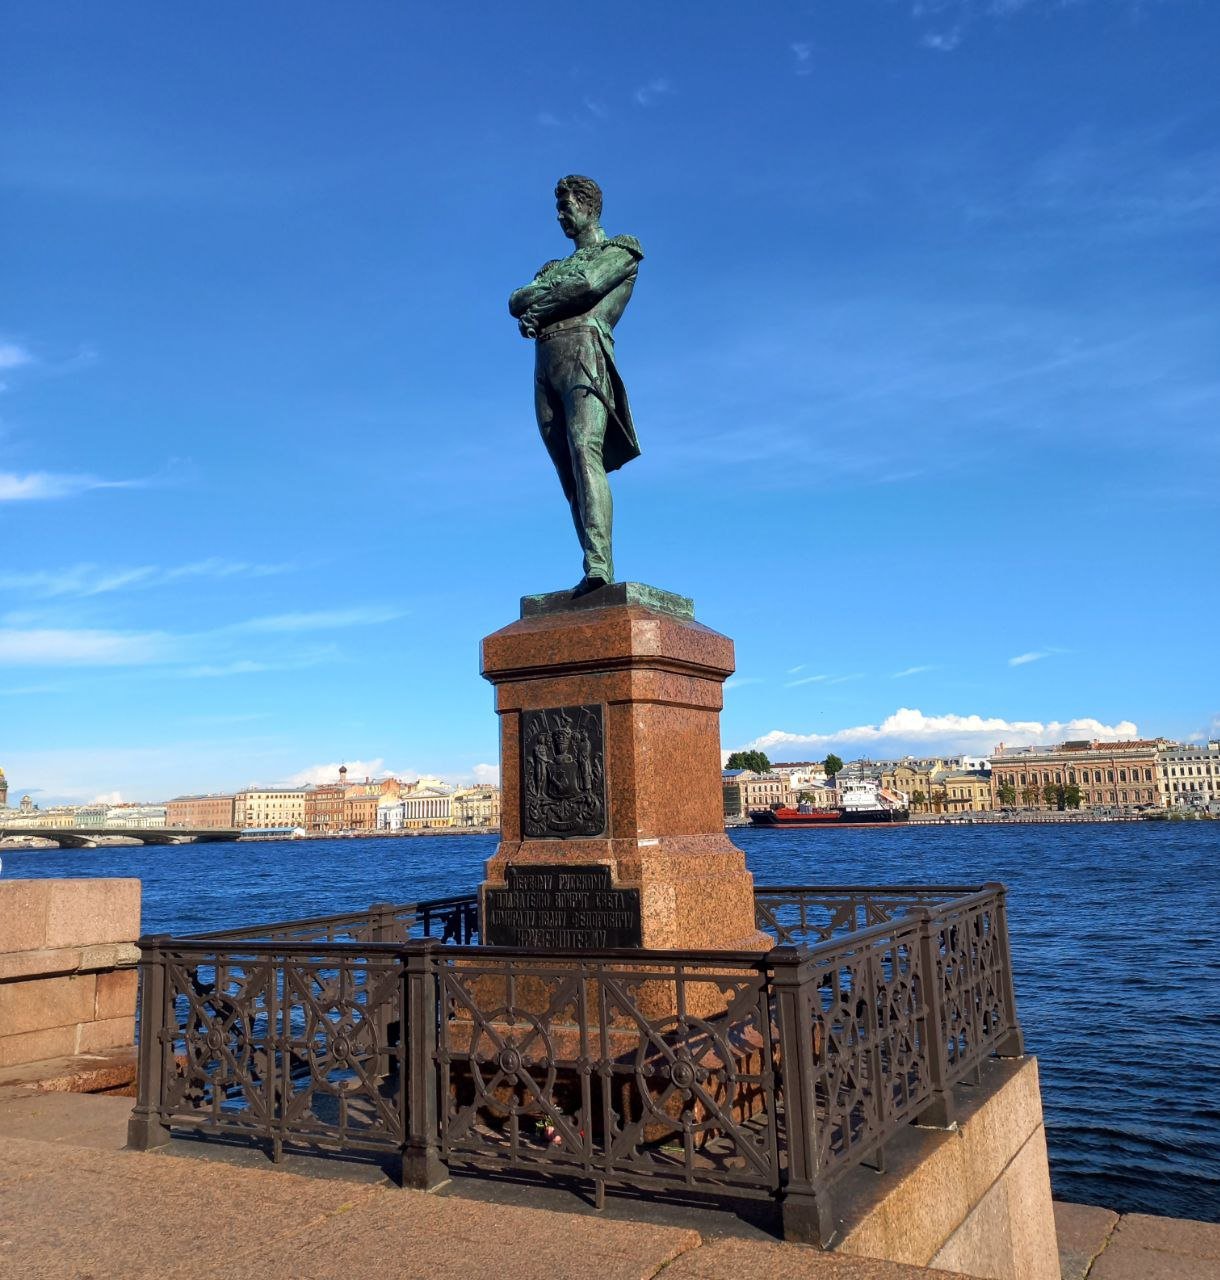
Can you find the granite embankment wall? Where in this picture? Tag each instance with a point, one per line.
(974, 1200)
(67, 967)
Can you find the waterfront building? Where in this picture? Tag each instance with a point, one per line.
(964, 791)
(391, 813)
(360, 801)
(3, 790)
(91, 817)
(1109, 774)
(139, 817)
(256, 808)
(428, 807)
(323, 810)
(201, 813)
(1188, 777)
(909, 779)
(745, 790)
(802, 775)
(475, 806)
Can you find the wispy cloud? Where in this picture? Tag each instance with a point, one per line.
(911, 671)
(646, 94)
(94, 580)
(800, 666)
(737, 682)
(319, 620)
(220, 651)
(13, 355)
(57, 647)
(792, 684)
(802, 52)
(942, 41)
(486, 774)
(910, 728)
(42, 485)
(1022, 659)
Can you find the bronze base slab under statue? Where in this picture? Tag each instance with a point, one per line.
(612, 824)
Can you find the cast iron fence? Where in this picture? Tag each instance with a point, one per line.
(725, 1073)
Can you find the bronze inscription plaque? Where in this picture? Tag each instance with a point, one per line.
(563, 773)
(561, 909)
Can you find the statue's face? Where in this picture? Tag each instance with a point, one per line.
(573, 216)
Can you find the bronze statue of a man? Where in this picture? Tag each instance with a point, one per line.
(570, 309)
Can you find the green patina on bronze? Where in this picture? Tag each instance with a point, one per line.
(617, 593)
(570, 309)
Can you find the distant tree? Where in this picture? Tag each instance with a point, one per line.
(918, 799)
(755, 760)
(833, 766)
(1072, 796)
(1050, 794)
(1006, 794)
(1029, 795)
(940, 800)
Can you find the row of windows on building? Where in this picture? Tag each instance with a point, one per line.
(1084, 776)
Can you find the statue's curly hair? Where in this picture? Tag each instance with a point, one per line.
(587, 193)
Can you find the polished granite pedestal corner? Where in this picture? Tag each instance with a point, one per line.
(609, 710)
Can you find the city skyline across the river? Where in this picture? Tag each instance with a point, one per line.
(921, 361)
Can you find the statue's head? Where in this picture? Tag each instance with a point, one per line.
(579, 202)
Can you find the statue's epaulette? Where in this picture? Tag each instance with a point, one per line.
(630, 243)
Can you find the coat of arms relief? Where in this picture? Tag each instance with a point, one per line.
(563, 785)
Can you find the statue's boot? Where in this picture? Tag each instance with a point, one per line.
(585, 585)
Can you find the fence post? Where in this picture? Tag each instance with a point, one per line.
(806, 1205)
(939, 1113)
(422, 1167)
(1012, 1044)
(146, 1129)
(381, 929)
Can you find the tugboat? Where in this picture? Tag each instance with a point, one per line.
(863, 804)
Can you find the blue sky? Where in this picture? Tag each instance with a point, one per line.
(922, 357)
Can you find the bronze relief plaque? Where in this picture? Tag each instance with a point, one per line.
(562, 908)
(563, 773)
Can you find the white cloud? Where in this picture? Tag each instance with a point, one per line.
(357, 771)
(13, 355)
(802, 51)
(1022, 659)
(59, 647)
(37, 485)
(800, 666)
(648, 93)
(911, 671)
(108, 797)
(910, 728)
(792, 684)
(92, 580)
(487, 774)
(942, 41)
(321, 620)
(736, 682)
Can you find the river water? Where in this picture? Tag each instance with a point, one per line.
(1114, 935)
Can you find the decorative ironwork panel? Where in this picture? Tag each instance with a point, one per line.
(869, 1026)
(794, 914)
(284, 1047)
(654, 1074)
(971, 958)
(563, 773)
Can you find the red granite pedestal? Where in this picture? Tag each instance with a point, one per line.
(658, 679)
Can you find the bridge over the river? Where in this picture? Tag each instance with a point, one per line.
(88, 837)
